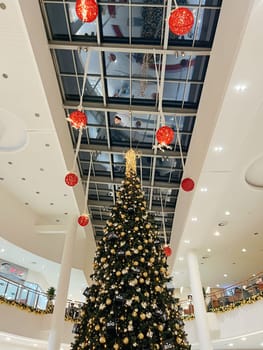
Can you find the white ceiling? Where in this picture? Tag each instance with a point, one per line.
(35, 201)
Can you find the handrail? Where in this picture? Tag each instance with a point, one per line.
(222, 299)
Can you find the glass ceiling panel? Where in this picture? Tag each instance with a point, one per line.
(127, 79)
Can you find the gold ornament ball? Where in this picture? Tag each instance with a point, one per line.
(135, 263)
(112, 251)
(97, 327)
(152, 259)
(157, 288)
(137, 218)
(102, 340)
(141, 280)
(146, 294)
(162, 269)
(179, 340)
(146, 241)
(136, 228)
(128, 253)
(156, 346)
(142, 259)
(122, 234)
(108, 301)
(136, 298)
(134, 314)
(145, 274)
(125, 340)
(118, 273)
(142, 316)
(122, 318)
(140, 247)
(116, 346)
(141, 336)
(156, 273)
(103, 259)
(160, 327)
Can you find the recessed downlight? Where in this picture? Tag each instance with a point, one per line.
(225, 275)
(187, 241)
(216, 233)
(227, 212)
(218, 149)
(243, 250)
(209, 250)
(194, 219)
(240, 87)
(203, 189)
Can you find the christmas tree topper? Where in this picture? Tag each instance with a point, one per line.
(130, 157)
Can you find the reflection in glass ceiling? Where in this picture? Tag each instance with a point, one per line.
(134, 67)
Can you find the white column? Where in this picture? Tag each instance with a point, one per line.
(58, 316)
(202, 326)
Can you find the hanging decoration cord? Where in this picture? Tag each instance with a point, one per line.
(87, 186)
(163, 222)
(77, 149)
(179, 142)
(84, 79)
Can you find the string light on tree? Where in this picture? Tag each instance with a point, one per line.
(87, 10)
(181, 21)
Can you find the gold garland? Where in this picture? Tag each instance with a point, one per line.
(219, 309)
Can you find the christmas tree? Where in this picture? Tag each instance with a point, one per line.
(129, 305)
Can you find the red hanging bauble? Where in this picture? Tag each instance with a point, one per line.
(164, 135)
(78, 119)
(181, 21)
(87, 10)
(83, 220)
(71, 179)
(188, 184)
(167, 250)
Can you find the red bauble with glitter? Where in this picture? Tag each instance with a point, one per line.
(87, 10)
(188, 184)
(83, 220)
(167, 250)
(181, 21)
(78, 119)
(71, 179)
(164, 135)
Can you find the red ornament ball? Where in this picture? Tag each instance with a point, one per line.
(187, 184)
(167, 250)
(87, 10)
(165, 135)
(78, 119)
(181, 21)
(83, 220)
(71, 179)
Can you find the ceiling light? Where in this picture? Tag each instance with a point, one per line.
(209, 250)
(230, 344)
(217, 285)
(243, 250)
(217, 233)
(181, 258)
(194, 219)
(186, 241)
(240, 87)
(227, 212)
(203, 189)
(2, 250)
(218, 149)
(7, 339)
(225, 274)
(244, 338)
